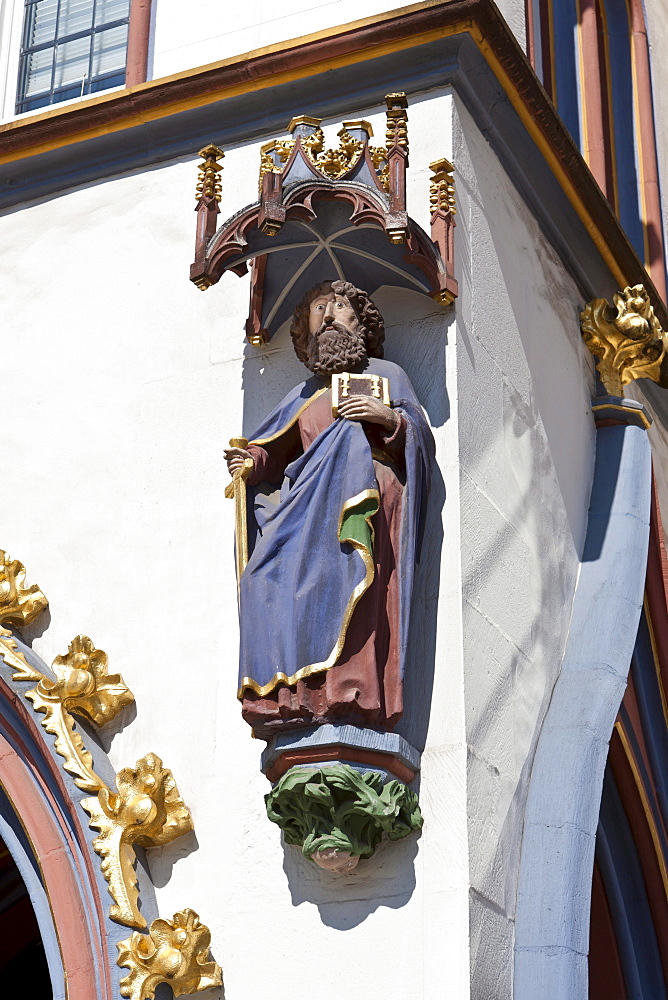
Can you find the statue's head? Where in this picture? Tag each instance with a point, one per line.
(335, 327)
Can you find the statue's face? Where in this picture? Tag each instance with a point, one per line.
(336, 336)
(330, 308)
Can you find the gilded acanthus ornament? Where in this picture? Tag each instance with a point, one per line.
(630, 344)
(82, 686)
(19, 606)
(336, 163)
(148, 811)
(147, 808)
(175, 952)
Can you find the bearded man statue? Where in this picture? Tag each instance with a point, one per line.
(324, 601)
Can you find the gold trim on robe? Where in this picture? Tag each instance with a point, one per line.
(359, 590)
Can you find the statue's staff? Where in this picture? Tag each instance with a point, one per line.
(237, 490)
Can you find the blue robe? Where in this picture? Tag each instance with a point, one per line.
(311, 553)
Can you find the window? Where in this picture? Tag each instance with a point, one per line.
(71, 48)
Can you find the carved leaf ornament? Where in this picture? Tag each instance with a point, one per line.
(82, 686)
(336, 807)
(19, 606)
(146, 809)
(175, 952)
(629, 344)
(333, 163)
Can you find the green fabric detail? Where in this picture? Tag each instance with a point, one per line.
(355, 528)
(336, 806)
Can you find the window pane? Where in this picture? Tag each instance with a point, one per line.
(72, 61)
(68, 93)
(41, 22)
(75, 15)
(38, 72)
(111, 10)
(38, 102)
(80, 48)
(105, 82)
(109, 49)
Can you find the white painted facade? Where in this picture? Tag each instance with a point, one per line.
(125, 383)
(184, 36)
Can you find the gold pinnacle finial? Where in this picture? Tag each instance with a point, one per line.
(209, 183)
(397, 121)
(442, 186)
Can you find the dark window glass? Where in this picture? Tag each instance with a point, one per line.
(71, 48)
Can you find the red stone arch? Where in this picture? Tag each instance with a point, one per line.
(53, 823)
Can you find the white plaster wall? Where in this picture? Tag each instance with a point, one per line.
(526, 441)
(185, 36)
(122, 385)
(183, 39)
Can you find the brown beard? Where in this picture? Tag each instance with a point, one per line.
(335, 348)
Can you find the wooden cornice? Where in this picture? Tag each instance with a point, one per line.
(346, 45)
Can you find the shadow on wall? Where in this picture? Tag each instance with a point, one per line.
(344, 901)
(416, 335)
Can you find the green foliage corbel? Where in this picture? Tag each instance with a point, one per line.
(336, 808)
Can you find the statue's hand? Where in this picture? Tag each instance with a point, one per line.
(235, 458)
(370, 409)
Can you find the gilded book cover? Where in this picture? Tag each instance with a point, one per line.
(345, 384)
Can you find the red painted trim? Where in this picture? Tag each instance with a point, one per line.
(80, 931)
(606, 978)
(633, 807)
(590, 62)
(630, 703)
(649, 170)
(547, 44)
(656, 588)
(139, 33)
(607, 123)
(530, 32)
(52, 851)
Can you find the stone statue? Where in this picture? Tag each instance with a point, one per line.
(324, 600)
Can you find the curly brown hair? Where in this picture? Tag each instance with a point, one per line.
(367, 313)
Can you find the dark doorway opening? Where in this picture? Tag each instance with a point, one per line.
(22, 959)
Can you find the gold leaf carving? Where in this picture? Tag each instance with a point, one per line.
(175, 952)
(333, 163)
(147, 811)
(68, 742)
(82, 686)
(19, 606)
(274, 155)
(15, 658)
(630, 344)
